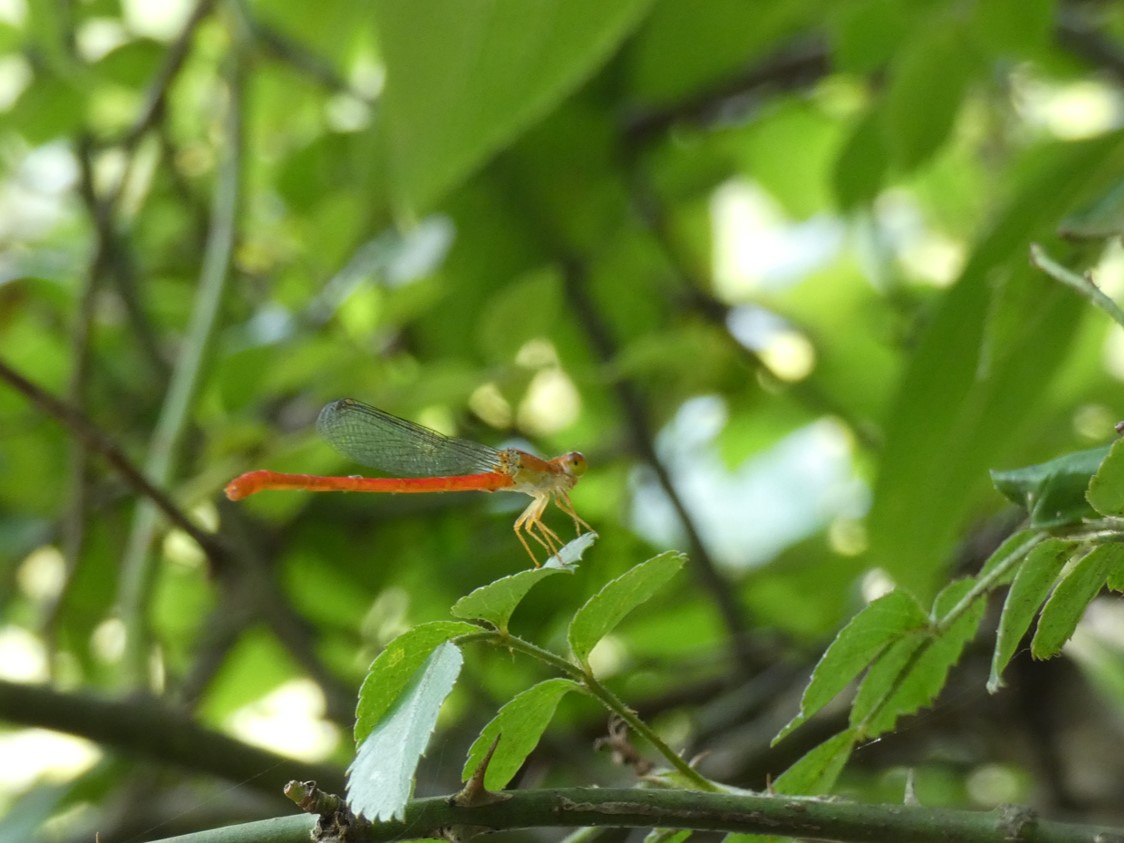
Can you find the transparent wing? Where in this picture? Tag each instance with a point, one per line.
(377, 439)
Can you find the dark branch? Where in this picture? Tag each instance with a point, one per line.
(97, 440)
(802, 817)
(795, 67)
(643, 440)
(141, 726)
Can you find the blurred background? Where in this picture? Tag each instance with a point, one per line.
(765, 264)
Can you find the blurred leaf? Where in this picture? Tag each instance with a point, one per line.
(462, 85)
(522, 311)
(496, 601)
(927, 85)
(860, 167)
(380, 780)
(953, 417)
(1106, 488)
(1100, 219)
(709, 42)
(47, 108)
(877, 626)
(1053, 492)
(393, 670)
(255, 665)
(913, 671)
(133, 64)
(1016, 28)
(817, 769)
(602, 612)
(793, 130)
(1071, 597)
(519, 724)
(868, 33)
(1032, 584)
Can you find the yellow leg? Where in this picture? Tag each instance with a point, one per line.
(527, 547)
(526, 522)
(564, 504)
(550, 539)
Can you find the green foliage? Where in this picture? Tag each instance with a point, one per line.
(392, 673)
(494, 602)
(1074, 591)
(1053, 493)
(400, 700)
(611, 604)
(461, 85)
(865, 636)
(1035, 577)
(770, 257)
(1106, 486)
(381, 778)
(518, 726)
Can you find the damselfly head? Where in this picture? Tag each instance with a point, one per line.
(574, 463)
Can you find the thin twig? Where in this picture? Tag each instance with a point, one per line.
(796, 66)
(153, 108)
(643, 439)
(99, 442)
(137, 565)
(1083, 284)
(78, 469)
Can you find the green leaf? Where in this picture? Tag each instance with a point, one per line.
(861, 165)
(131, 64)
(1115, 578)
(959, 410)
(913, 671)
(519, 724)
(1072, 595)
(818, 769)
(608, 607)
(1032, 583)
(393, 669)
(1001, 27)
(1052, 492)
(867, 34)
(1106, 488)
(1099, 220)
(927, 84)
(709, 41)
(882, 622)
(461, 84)
(380, 780)
(520, 311)
(496, 601)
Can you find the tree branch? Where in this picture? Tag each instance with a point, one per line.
(137, 565)
(142, 726)
(750, 814)
(643, 439)
(794, 67)
(100, 442)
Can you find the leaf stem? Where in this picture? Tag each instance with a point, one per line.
(1083, 284)
(985, 584)
(607, 698)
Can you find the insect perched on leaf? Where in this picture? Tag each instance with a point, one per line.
(427, 461)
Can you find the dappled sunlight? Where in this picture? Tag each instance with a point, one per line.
(288, 720)
(750, 513)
